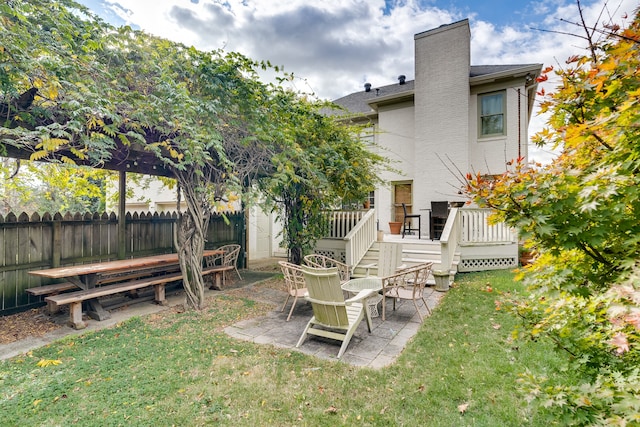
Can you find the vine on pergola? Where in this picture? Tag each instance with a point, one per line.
(76, 90)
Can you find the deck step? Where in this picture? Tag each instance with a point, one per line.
(413, 253)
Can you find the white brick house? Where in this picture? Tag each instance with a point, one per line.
(453, 118)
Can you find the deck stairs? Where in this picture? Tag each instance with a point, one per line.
(414, 252)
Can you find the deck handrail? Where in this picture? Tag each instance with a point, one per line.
(464, 227)
(360, 238)
(342, 222)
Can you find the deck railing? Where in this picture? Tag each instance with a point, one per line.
(342, 222)
(465, 227)
(476, 229)
(360, 238)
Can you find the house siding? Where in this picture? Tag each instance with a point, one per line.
(490, 155)
(396, 130)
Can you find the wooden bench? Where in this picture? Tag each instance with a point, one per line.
(107, 278)
(75, 299)
(53, 289)
(218, 274)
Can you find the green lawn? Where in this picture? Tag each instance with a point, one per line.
(461, 369)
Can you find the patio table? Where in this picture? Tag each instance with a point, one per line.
(354, 286)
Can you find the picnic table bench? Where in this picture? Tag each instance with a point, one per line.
(75, 299)
(53, 289)
(112, 277)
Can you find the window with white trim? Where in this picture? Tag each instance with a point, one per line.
(492, 113)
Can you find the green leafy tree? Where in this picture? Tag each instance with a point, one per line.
(322, 163)
(582, 215)
(75, 90)
(72, 84)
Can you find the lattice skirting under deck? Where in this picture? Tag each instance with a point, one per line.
(482, 264)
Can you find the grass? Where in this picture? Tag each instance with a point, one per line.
(181, 369)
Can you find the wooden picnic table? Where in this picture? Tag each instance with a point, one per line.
(85, 276)
(124, 275)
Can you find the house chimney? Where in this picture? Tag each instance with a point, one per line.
(402, 78)
(367, 87)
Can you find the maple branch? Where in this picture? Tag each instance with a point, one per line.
(593, 253)
(592, 46)
(601, 141)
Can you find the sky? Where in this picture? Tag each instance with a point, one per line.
(333, 47)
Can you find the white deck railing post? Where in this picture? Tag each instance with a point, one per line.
(449, 240)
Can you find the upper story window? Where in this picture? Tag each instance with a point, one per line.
(492, 113)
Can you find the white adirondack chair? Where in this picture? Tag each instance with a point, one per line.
(333, 316)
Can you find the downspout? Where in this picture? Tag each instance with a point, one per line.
(519, 127)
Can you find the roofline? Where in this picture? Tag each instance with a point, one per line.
(511, 73)
(389, 99)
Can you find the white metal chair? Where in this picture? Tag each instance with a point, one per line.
(323, 261)
(407, 284)
(294, 278)
(228, 257)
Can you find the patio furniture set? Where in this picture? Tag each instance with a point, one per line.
(323, 282)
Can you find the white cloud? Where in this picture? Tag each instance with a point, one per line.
(335, 46)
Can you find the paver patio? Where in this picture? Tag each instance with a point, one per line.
(375, 350)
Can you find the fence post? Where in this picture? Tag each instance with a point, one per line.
(122, 224)
(56, 241)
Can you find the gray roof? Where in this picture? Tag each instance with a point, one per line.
(483, 70)
(358, 102)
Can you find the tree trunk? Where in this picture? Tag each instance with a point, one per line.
(191, 236)
(190, 248)
(294, 222)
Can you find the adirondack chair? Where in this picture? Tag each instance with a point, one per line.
(389, 260)
(333, 316)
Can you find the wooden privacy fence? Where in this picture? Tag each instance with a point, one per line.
(37, 242)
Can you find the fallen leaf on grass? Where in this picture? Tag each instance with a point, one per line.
(43, 363)
(331, 410)
(462, 408)
(496, 326)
